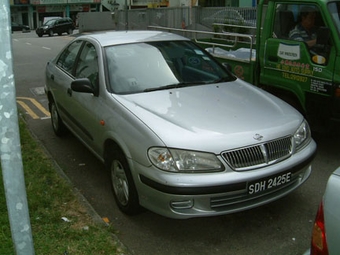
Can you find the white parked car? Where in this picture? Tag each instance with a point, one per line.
(180, 135)
(326, 229)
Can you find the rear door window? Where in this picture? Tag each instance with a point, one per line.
(68, 57)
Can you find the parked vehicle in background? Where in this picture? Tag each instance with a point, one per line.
(20, 27)
(326, 230)
(178, 133)
(49, 18)
(56, 26)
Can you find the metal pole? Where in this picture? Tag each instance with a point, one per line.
(10, 151)
(126, 16)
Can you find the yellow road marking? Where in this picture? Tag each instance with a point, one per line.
(106, 220)
(29, 110)
(37, 104)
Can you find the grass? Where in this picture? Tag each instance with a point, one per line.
(51, 197)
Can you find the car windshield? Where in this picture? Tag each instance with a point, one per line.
(145, 67)
(334, 9)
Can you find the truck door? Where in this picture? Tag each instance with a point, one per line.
(299, 67)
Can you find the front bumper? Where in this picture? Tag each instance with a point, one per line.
(41, 31)
(182, 196)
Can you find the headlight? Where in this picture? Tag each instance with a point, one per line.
(175, 160)
(302, 136)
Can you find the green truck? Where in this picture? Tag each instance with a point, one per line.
(306, 77)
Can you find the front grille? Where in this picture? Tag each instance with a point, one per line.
(259, 155)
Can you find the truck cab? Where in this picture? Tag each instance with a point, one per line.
(272, 56)
(307, 76)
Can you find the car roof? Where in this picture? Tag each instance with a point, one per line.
(122, 37)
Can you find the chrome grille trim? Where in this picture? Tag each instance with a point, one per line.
(259, 155)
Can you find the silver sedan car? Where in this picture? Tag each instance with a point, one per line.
(326, 229)
(178, 133)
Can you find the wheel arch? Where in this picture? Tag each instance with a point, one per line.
(132, 206)
(110, 146)
(50, 99)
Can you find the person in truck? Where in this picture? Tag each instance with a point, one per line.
(305, 30)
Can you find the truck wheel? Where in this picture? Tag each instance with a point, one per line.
(40, 35)
(50, 33)
(57, 124)
(124, 189)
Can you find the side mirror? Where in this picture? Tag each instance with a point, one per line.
(83, 85)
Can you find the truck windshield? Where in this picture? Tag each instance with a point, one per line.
(334, 8)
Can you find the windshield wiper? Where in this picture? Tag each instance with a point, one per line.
(175, 86)
(171, 86)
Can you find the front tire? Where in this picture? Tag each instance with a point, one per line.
(57, 123)
(124, 189)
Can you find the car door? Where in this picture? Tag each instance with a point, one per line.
(63, 26)
(56, 27)
(59, 76)
(85, 108)
(59, 26)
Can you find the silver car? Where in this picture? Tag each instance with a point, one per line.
(179, 134)
(326, 230)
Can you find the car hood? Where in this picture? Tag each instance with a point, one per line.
(215, 117)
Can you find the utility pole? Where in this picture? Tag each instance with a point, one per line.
(10, 150)
(126, 16)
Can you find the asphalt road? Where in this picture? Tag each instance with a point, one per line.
(280, 228)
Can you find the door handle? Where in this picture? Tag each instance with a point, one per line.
(69, 92)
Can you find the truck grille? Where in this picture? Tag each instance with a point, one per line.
(259, 155)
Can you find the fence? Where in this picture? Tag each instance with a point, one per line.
(192, 18)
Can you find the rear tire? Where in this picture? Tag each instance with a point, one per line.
(124, 189)
(57, 123)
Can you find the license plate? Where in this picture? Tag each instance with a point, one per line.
(269, 183)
